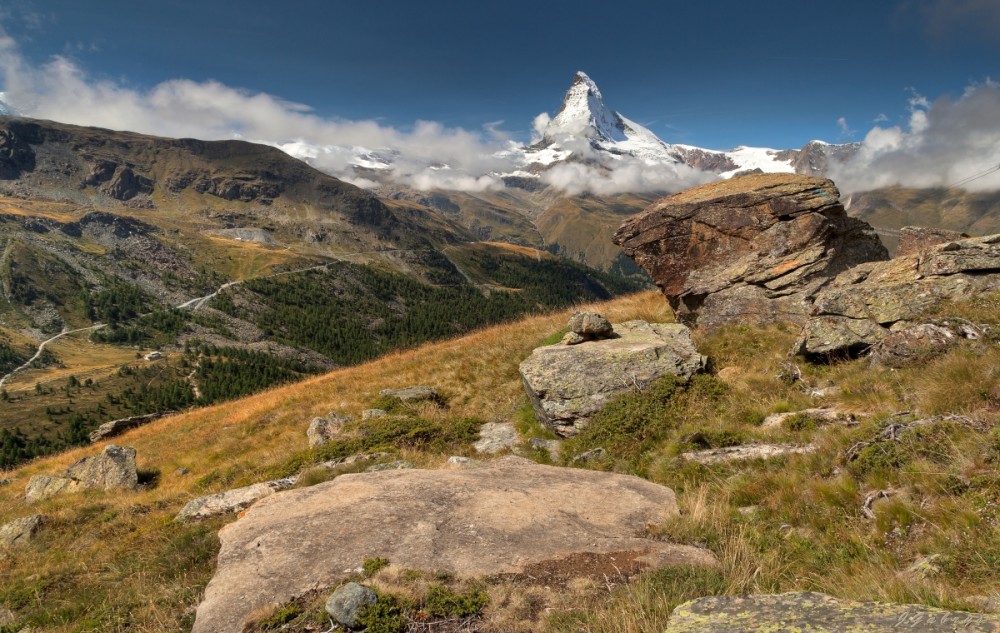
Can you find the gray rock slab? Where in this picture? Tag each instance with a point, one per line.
(567, 385)
(747, 451)
(19, 532)
(113, 468)
(416, 393)
(44, 486)
(495, 437)
(819, 613)
(474, 522)
(231, 501)
(861, 306)
(117, 427)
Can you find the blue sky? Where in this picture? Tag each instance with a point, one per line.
(715, 74)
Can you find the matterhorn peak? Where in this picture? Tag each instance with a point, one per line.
(583, 114)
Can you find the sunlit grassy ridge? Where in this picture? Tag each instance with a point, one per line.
(118, 562)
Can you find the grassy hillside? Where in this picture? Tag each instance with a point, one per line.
(975, 213)
(578, 227)
(118, 562)
(268, 330)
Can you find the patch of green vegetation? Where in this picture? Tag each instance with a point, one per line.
(352, 313)
(116, 302)
(284, 614)
(9, 358)
(554, 338)
(372, 566)
(157, 329)
(443, 602)
(385, 616)
(798, 422)
(632, 424)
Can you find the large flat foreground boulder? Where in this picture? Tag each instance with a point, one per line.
(494, 520)
(568, 384)
(819, 613)
(750, 250)
(864, 304)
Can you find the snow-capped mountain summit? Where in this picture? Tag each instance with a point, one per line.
(583, 113)
(585, 123)
(583, 147)
(586, 129)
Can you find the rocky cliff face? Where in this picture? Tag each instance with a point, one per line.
(753, 249)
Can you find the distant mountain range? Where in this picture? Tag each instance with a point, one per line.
(586, 130)
(585, 126)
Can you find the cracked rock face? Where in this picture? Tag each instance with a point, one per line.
(862, 306)
(750, 250)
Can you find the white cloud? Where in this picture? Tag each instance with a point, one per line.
(845, 129)
(63, 91)
(428, 156)
(624, 175)
(943, 143)
(538, 126)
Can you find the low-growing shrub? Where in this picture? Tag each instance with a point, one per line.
(443, 602)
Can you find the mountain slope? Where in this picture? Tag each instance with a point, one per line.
(244, 266)
(117, 561)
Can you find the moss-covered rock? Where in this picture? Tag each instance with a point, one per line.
(819, 613)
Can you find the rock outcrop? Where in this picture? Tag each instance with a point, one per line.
(19, 532)
(750, 250)
(747, 451)
(499, 519)
(819, 613)
(414, 394)
(864, 304)
(231, 501)
(117, 427)
(325, 429)
(113, 468)
(569, 384)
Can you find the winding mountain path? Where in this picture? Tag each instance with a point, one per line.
(196, 303)
(41, 348)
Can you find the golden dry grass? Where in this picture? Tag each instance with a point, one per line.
(58, 211)
(78, 356)
(777, 525)
(93, 537)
